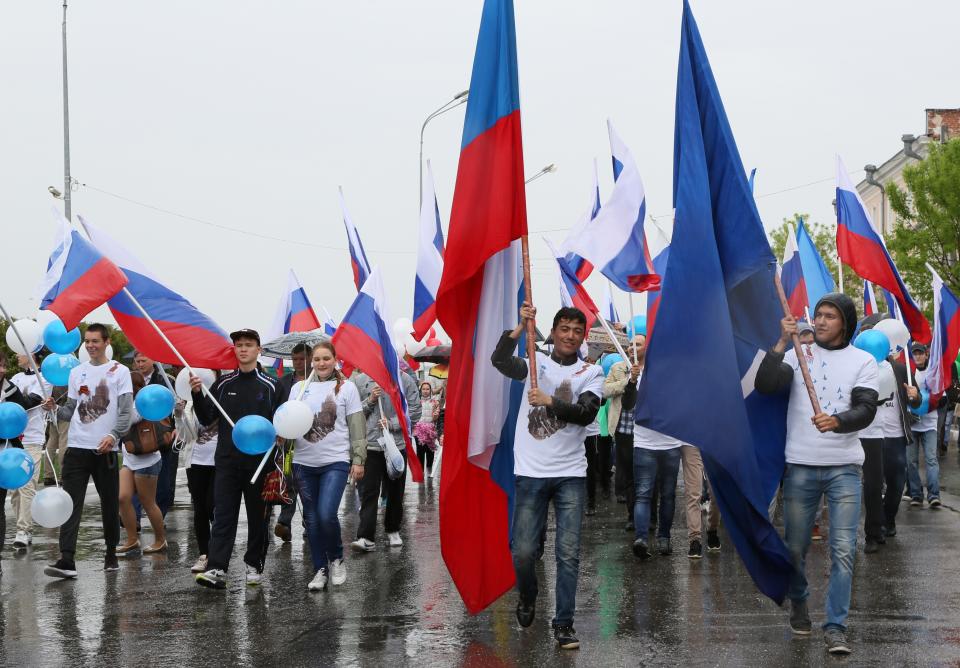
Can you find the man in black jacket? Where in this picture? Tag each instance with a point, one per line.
(246, 391)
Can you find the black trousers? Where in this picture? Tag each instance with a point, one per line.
(231, 483)
(79, 465)
(425, 455)
(873, 488)
(895, 473)
(375, 474)
(624, 483)
(605, 461)
(200, 483)
(593, 468)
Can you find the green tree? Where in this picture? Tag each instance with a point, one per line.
(824, 238)
(928, 221)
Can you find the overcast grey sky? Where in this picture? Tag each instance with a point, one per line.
(250, 114)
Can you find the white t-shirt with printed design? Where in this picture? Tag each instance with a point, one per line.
(328, 441)
(36, 431)
(835, 373)
(97, 390)
(544, 445)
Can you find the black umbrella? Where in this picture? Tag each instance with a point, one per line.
(282, 348)
(435, 354)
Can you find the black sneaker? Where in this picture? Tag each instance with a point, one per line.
(62, 569)
(663, 546)
(836, 641)
(935, 503)
(871, 547)
(525, 613)
(628, 526)
(214, 578)
(591, 509)
(566, 637)
(891, 531)
(799, 618)
(696, 550)
(713, 541)
(110, 563)
(640, 549)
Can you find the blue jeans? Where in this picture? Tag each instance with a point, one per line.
(928, 441)
(647, 466)
(803, 487)
(532, 496)
(321, 488)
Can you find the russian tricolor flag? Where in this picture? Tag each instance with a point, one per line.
(860, 247)
(429, 261)
(581, 267)
(78, 278)
(476, 301)
(869, 299)
(198, 338)
(572, 292)
(614, 241)
(358, 258)
(295, 313)
(816, 277)
(946, 338)
(363, 341)
(791, 276)
(329, 324)
(609, 308)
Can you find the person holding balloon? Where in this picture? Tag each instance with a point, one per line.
(250, 397)
(33, 440)
(925, 438)
(99, 407)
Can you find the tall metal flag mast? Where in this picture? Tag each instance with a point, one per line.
(67, 180)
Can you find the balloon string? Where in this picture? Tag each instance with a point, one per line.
(53, 469)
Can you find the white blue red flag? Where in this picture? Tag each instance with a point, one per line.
(572, 292)
(429, 261)
(198, 338)
(869, 299)
(722, 269)
(609, 307)
(791, 276)
(363, 341)
(816, 276)
(946, 339)
(358, 257)
(78, 278)
(614, 241)
(861, 248)
(329, 324)
(581, 267)
(891, 304)
(476, 301)
(294, 314)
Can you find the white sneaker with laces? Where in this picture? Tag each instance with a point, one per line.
(21, 540)
(363, 545)
(338, 572)
(395, 540)
(254, 577)
(319, 581)
(201, 565)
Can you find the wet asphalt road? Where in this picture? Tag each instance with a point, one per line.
(399, 606)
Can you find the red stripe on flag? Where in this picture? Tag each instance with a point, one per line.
(91, 289)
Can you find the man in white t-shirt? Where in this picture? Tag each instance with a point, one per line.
(98, 407)
(549, 459)
(823, 453)
(33, 439)
(924, 441)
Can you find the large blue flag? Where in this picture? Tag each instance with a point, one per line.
(721, 269)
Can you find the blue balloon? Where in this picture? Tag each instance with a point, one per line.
(874, 342)
(924, 406)
(608, 361)
(639, 325)
(154, 402)
(254, 434)
(13, 420)
(58, 339)
(16, 468)
(56, 368)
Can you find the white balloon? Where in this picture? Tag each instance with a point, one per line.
(84, 356)
(182, 384)
(30, 332)
(895, 330)
(293, 419)
(51, 507)
(888, 381)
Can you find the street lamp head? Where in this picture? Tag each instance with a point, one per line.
(53, 191)
(461, 94)
(550, 169)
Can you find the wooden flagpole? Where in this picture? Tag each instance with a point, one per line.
(801, 359)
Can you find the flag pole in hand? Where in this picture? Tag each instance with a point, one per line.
(531, 325)
(801, 361)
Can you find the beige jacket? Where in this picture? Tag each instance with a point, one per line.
(614, 386)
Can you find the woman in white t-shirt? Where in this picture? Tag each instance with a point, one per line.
(139, 475)
(335, 447)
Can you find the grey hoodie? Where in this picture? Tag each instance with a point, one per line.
(371, 410)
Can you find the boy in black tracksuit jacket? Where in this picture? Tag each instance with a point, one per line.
(240, 393)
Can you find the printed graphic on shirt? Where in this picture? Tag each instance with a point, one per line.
(324, 421)
(92, 407)
(542, 422)
(208, 433)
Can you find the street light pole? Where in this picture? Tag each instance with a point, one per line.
(458, 99)
(67, 180)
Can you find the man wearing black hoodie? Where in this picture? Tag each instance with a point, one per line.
(824, 455)
(246, 391)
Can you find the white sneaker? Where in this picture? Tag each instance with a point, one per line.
(319, 581)
(395, 540)
(22, 540)
(363, 545)
(338, 572)
(254, 577)
(201, 565)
